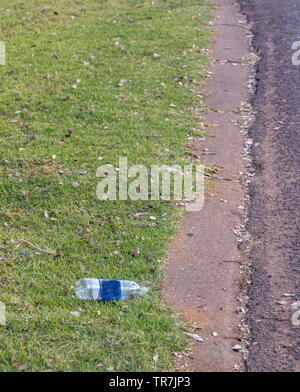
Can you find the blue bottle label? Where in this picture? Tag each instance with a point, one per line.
(110, 290)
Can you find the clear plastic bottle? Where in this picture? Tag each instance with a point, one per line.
(108, 289)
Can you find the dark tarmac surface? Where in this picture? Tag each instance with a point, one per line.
(274, 217)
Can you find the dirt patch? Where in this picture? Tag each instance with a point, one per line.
(203, 274)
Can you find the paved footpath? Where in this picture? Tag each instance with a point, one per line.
(275, 191)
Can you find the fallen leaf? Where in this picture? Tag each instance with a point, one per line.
(117, 342)
(135, 252)
(68, 133)
(237, 347)
(25, 195)
(177, 355)
(21, 366)
(195, 336)
(122, 82)
(150, 255)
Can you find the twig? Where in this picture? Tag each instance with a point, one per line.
(231, 261)
(46, 250)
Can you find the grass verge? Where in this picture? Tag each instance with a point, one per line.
(81, 88)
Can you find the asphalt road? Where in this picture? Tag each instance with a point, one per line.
(274, 216)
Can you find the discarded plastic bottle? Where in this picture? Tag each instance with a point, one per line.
(108, 289)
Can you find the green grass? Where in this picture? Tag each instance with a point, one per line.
(47, 46)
